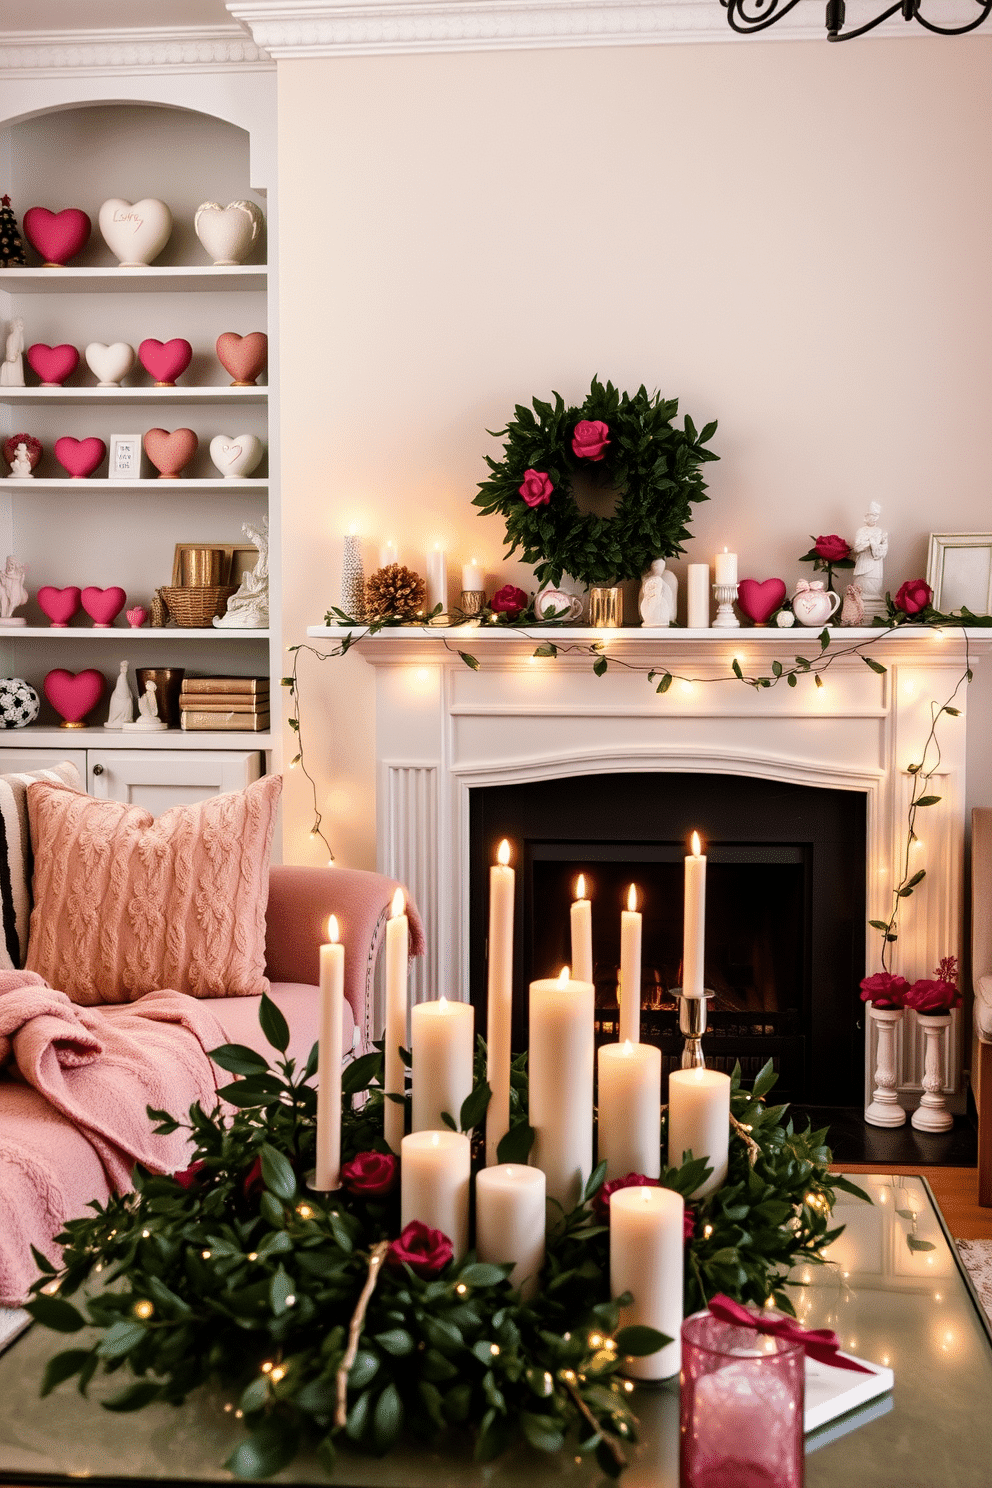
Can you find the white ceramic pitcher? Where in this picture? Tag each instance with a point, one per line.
(812, 604)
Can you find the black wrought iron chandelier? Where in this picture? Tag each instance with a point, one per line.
(747, 16)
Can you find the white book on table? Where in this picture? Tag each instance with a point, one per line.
(831, 1392)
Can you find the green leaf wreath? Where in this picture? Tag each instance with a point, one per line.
(628, 444)
(233, 1272)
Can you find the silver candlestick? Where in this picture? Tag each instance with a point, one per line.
(692, 1025)
(725, 596)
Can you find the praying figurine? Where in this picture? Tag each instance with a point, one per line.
(659, 595)
(12, 366)
(12, 592)
(148, 718)
(870, 547)
(121, 701)
(249, 608)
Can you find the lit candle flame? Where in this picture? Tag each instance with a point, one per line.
(442, 1002)
(628, 1047)
(503, 855)
(332, 929)
(696, 845)
(632, 897)
(353, 530)
(563, 980)
(580, 886)
(398, 905)
(435, 1140)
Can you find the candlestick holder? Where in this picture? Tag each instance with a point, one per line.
(725, 595)
(472, 602)
(692, 1026)
(312, 1185)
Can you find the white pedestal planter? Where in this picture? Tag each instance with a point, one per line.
(932, 1114)
(885, 1109)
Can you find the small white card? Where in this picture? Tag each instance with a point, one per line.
(831, 1392)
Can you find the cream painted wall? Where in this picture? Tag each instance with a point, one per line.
(789, 237)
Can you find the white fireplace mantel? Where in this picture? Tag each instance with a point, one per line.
(444, 728)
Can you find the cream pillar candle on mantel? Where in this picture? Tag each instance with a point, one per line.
(442, 1043)
(581, 924)
(726, 567)
(327, 1174)
(694, 922)
(437, 579)
(510, 1221)
(699, 1122)
(561, 1059)
(397, 962)
(502, 882)
(435, 1180)
(630, 1109)
(630, 969)
(388, 553)
(646, 1259)
(698, 596)
(472, 578)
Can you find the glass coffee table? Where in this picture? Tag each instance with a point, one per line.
(895, 1293)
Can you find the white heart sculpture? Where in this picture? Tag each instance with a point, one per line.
(137, 232)
(109, 364)
(227, 233)
(236, 454)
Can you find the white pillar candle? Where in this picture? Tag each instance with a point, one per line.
(694, 922)
(726, 567)
(500, 1000)
(397, 961)
(435, 1178)
(646, 1260)
(699, 1122)
(437, 579)
(388, 553)
(630, 1109)
(510, 1221)
(561, 1081)
(442, 1041)
(472, 581)
(327, 1175)
(698, 617)
(630, 969)
(581, 920)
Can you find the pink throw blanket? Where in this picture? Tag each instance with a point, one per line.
(72, 1105)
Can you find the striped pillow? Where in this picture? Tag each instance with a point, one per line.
(16, 862)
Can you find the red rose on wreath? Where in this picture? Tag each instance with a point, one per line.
(536, 489)
(424, 1250)
(189, 1175)
(589, 439)
(253, 1179)
(688, 1224)
(884, 990)
(601, 1203)
(509, 601)
(932, 997)
(831, 548)
(913, 596)
(371, 1174)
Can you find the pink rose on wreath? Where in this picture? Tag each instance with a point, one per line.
(536, 489)
(913, 596)
(589, 439)
(831, 548)
(424, 1250)
(371, 1174)
(509, 601)
(884, 990)
(189, 1175)
(601, 1202)
(688, 1224)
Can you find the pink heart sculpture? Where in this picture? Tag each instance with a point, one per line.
(137, 616)
(79, 456)
(170, 453)
(165, 361)
(59, 604)
(57, 236)
(243, 356)
(73, 695)
(103, 605)
(758, 600)
(53, 364)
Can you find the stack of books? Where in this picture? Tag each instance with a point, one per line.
(225, 703)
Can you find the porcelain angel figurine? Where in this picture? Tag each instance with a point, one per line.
(659, 595)
(147, 719)
(249, 608)
(121, 702)
(12, 367)
(12, 592)
(870, 546)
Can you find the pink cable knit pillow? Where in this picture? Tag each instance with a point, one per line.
(126, 904)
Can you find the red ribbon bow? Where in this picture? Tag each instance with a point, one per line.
(821, 1344)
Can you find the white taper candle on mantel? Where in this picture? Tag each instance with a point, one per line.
(437, 579)
(397, 963)
(388, 553)
(472, 578)
(327, 1174)
(699, 1122)
(510, 1221)
(646, 1251)
(499, 1019)
(629, 1109)
(561, 1060)
(630, 969)
(581, 925)
(442, 1043)
(694, 921)
(698, 596)
(726, 567)
(435, 1183)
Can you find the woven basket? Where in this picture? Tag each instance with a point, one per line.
(196, 608)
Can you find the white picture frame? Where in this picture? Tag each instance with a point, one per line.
(125, 457)
(959, 571)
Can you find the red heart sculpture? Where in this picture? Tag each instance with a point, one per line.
(165, 361)
(73, 695)
(243, 356)
(170, 453)
(53, 364)
(79, 456)
(57, 236)
(758, 600)
(59, 604)
(103, 605)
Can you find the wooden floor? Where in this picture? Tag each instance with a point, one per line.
(956, 1192)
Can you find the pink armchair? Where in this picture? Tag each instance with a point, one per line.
(981, 979)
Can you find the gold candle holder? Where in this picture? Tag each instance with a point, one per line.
(472, 602)
(606, 607)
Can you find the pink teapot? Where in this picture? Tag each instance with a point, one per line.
(812, 604)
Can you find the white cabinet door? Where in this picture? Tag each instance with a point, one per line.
(14, 761)
(159, 778)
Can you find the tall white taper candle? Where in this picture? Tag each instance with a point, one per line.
(437, 579)
(646, 1260)
(500, 994)
(561, 1061)
(581, 926)
(327, 1174)
(630, 969)
(694, 922)
(397, 961)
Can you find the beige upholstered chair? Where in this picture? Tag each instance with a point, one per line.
(981, 977)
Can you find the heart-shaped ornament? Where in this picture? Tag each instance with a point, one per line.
(109, 364)
(53, 364)
(235, 455)
(227, 233)
(136, 231)
(103, 605)
(170, 453)
(243, 356)
(165, 360)
(74, 694)
(57, 236)
(758, 600)
(137, 616)
(79, 457)
(58, 604)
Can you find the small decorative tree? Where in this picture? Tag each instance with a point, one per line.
(11, 245)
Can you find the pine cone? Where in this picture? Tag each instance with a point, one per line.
(394, 591)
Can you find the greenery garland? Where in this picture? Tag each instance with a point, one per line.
(234, 1272)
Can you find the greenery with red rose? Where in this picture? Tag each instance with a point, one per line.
(827, 553)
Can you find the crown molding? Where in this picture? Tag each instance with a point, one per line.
(179, 49)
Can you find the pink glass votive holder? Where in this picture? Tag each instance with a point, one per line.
(741, 1413)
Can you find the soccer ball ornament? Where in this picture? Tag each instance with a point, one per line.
(19, 703)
